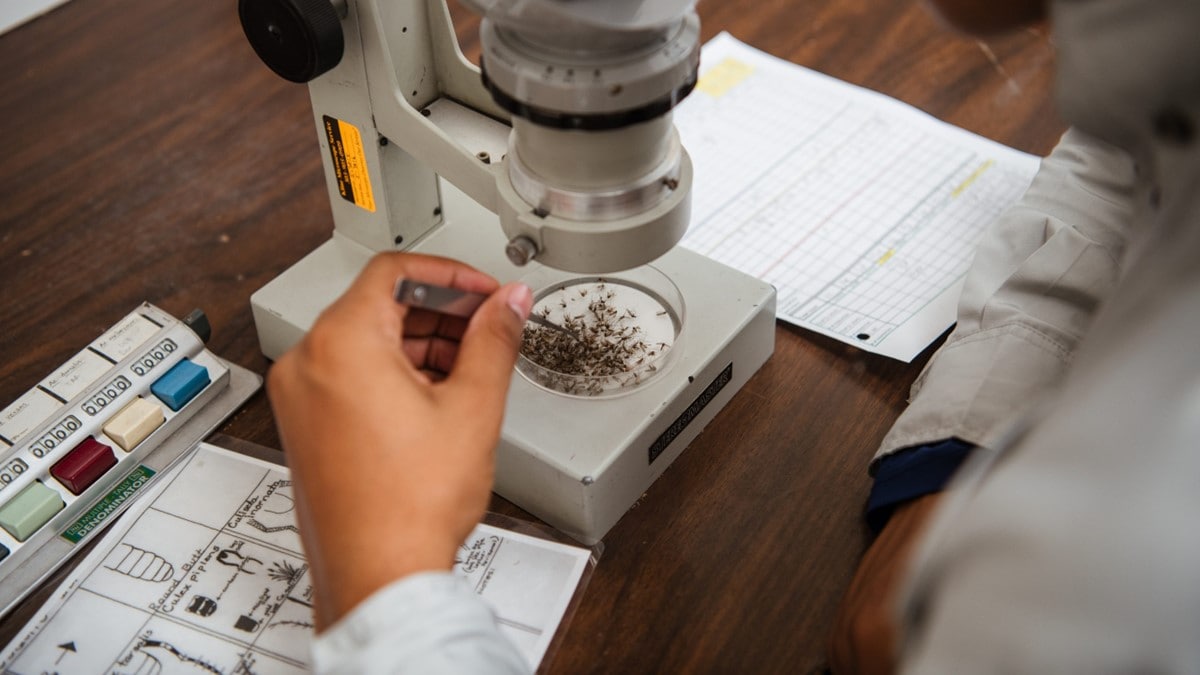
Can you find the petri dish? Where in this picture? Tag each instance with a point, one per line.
(627, 328)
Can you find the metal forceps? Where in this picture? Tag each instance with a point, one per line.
(453, 302)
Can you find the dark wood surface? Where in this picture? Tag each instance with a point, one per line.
(149, 155)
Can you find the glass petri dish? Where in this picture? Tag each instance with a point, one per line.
(628, 329)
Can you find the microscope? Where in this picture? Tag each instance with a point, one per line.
(556, 163)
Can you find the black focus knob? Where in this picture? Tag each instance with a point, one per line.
(298, 39)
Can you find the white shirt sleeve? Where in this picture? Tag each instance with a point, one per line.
(1039, 274)
(1075, 547)
(428, 624)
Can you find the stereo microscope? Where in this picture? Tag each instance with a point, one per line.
(555, 162)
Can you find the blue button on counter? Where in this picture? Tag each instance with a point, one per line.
(180, 384)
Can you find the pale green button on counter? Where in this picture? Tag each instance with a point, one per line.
(29, 510)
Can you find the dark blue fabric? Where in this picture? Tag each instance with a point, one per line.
(910, 473)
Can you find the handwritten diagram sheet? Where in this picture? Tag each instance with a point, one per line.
(205, 574)
(862, 211)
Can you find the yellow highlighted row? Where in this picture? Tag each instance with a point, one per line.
(972, 178)
(724, 76)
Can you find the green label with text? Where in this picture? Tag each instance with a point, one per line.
(110, 504)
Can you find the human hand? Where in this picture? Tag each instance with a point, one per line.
(865, 638)
(389, 417)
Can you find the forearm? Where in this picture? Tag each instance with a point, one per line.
(864, 638)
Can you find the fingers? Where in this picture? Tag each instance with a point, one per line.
(433, 353)
(480, 367)
(489, 350)
(421, 323)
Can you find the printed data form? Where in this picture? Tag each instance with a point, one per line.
(862, 211)
(205, 574)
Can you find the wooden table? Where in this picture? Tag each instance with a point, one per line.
(149, 155)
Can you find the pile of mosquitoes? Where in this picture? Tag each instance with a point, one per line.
(607, 348)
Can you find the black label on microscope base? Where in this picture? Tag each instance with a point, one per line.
(685, 418)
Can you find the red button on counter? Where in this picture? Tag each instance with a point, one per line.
(83, 465)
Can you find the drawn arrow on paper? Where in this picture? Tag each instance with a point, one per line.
(65, 647)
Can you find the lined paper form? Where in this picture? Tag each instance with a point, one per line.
(862, 211)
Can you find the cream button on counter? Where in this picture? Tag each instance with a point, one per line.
(134, 423)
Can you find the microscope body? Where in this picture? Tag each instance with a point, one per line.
(419, 156)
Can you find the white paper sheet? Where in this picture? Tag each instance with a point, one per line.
(205, 574)
(862, 211)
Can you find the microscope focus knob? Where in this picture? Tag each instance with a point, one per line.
(298, 39)
(520, 250)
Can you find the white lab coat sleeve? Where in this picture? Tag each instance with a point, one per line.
(426, 624)
(1077, 551)
(1039, 274)
(1074, 547)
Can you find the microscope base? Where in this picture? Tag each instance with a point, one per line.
(576, 463)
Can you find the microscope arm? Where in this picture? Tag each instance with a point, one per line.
(412, 58)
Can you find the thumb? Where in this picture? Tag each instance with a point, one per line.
(483, 368)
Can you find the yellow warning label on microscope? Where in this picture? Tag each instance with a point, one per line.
(349, 162)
